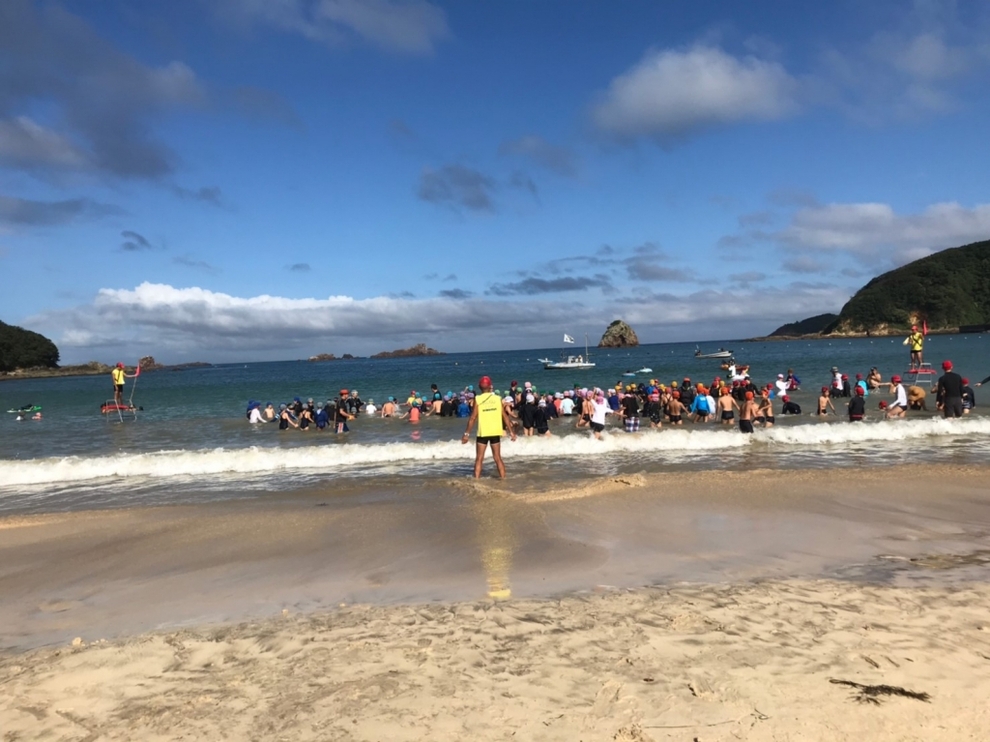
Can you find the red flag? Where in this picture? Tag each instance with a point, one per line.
(137, 369)
(924, 328)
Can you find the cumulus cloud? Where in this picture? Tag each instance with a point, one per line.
(534, 286)
(552, 157)
(918, 66)
(405, 26)
(198, 323)
(26, 212)
(874, 232)
(672, 94)
(457, 186)
(51, 61)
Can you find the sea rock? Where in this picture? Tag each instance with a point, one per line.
(417, 350)
(148, 363)
(619, 335)
(323, 357)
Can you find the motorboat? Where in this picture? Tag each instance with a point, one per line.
(569, 362)
(720, 353)
(645, 371)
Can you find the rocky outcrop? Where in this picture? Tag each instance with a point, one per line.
(148, 363)
(416, 350)
(323, 357)
(619, 335)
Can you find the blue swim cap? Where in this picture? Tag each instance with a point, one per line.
(391, 399)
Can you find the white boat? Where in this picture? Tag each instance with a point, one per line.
(720, 353)
(645, 371)
(569, 363)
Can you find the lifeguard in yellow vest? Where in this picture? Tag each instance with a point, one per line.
(492, 421)
(917, 342)
(118, 376)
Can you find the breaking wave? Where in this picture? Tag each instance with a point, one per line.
(327, 457)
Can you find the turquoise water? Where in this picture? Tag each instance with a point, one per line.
(192, 441)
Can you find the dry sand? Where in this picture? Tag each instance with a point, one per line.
(750, 662)
(725, 657)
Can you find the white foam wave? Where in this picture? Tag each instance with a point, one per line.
(329, 458)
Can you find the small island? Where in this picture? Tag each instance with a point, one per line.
(619, 335)
(417, 350)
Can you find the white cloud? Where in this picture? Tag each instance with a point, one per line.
(673, 94)
(408, 26)
(201, 324)
(874, 232)
(24, 143)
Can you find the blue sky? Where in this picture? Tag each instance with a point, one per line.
(259, 179)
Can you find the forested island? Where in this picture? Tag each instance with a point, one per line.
(949, 291)
(20, 348)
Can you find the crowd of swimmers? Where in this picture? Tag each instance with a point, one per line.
(733, 400)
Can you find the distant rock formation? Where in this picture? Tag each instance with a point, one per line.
(619, 335)
(323, 357)
(810, 326)
(417, 350)
(148, 363)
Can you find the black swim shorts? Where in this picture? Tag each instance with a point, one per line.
(953, 407)
(597, 427)
(746, 426)
(486, 439)
(728, 415)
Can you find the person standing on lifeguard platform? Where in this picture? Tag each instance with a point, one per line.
(917, 342)
(118, 376)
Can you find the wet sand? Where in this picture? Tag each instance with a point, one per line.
(102, 574)
(453, 625)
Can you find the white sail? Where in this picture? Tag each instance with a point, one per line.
(568, 338)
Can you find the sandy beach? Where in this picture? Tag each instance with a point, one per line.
(620, 609)
(753, 662)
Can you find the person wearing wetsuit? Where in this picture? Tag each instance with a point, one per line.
(789, 407)
(527, 414)
(968, 398)
(857, 406)
(949, 391)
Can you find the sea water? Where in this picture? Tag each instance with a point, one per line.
(192, 442)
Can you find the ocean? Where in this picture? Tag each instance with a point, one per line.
(191, 442)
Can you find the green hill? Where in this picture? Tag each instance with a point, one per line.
(948, 289)
(809, 326)
(20, 348)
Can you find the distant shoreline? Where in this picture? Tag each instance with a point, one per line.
(852, 335)
(88, 369)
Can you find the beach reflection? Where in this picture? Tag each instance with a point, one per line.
(497, 542)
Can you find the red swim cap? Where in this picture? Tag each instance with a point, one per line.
(485, 382)
(946, 365)
(749, 395)
(859, 391)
